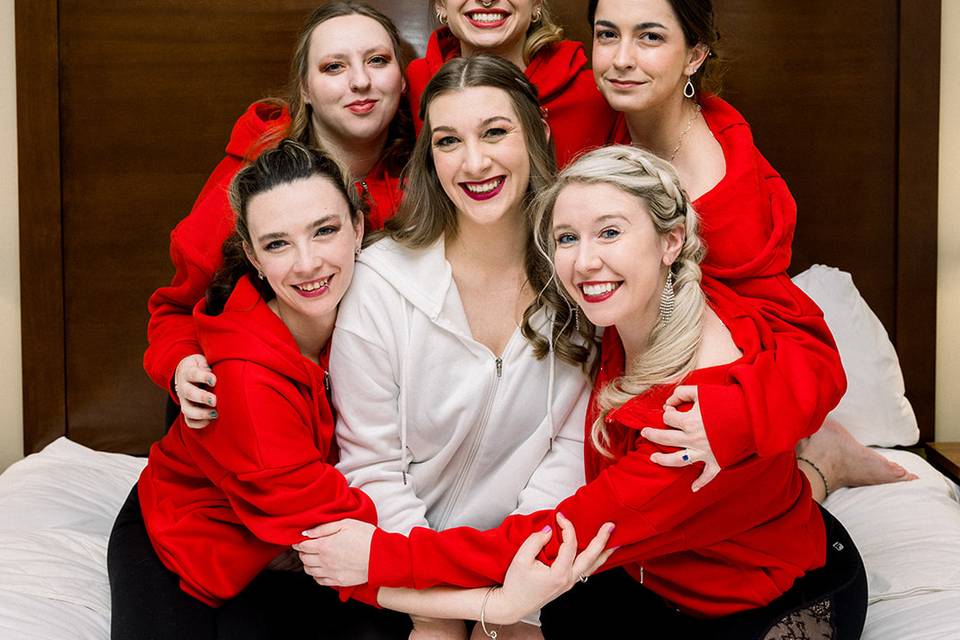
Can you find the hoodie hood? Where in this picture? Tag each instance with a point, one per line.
(421, 276)
(248, 330)
(553, 69)
(260, 124)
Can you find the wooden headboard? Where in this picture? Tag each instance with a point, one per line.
(124, 108)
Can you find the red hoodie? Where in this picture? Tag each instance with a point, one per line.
(747, 223)
(196, 241)
(578, 115)
(737, 544)
(221, 502)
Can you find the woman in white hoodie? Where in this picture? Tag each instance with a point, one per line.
(450, 413)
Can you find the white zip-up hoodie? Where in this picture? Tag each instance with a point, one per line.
(432, 425)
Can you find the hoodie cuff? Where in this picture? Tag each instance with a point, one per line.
(726, 420)
(391, 560)
(365, 593)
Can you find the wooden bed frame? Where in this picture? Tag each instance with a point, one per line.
(123, 111)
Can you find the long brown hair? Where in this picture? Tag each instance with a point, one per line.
(426, 213)
(396, 151)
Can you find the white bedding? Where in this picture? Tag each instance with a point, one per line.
(57, 508)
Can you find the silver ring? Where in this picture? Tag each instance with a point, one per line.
(583, 578)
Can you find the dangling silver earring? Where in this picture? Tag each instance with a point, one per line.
(259, 274)
(441, 18)
(576, 317)
(538, 14)
(689, 90)
(667, 299)
(356, 254)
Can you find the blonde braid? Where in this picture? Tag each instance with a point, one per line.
(672, 347)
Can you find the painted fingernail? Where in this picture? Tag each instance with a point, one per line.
(213, 415)
(546, 529)
(211, 401)
(611, 527)
(210, 381)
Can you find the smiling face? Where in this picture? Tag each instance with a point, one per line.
(609, 256)
(303, 242)
(641, 59)
(479, 153)
(353, 81)
(500, 29)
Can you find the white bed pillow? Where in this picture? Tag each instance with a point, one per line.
(908, 533)
(874, 408)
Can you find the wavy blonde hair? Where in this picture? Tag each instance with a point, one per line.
(542, 33)
(672, 346)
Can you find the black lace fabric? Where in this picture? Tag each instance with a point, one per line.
(811, 623)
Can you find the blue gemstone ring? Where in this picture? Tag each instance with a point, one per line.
(685, 457)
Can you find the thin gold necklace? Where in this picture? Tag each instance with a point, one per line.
(696, 113)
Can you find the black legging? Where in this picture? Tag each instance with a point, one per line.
(148, 604)
(614, 605)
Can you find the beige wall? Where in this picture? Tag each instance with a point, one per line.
(948, 267)
(11, 397)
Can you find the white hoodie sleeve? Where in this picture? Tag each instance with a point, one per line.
(560, 473)
(365, 371)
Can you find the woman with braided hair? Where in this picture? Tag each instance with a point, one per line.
(750, 555)
(655, 62)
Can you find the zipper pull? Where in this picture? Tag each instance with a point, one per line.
(641, 574)
(499, 367)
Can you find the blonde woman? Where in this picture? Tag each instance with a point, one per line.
(525, 33)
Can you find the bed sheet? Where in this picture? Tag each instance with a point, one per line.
(57, 508)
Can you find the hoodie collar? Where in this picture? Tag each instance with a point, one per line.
(553, 69)
(262, 122)
(249, 330)
(422, 276)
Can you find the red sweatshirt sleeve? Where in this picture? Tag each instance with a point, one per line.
(785, 393)
(652, 506)
(266, 456)
(195, 250)
(783, 396)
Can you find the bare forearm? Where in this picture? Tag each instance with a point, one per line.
(445, 602)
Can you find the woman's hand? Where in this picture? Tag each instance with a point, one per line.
(192, 381)
(338, 553)
(687, 434)
(529, 584)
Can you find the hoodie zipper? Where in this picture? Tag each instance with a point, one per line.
(474, 446)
